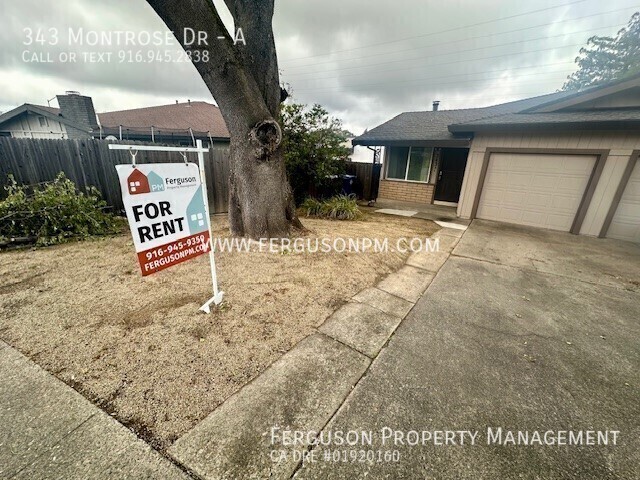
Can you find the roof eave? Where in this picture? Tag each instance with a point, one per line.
(595, 125)
(448, 142)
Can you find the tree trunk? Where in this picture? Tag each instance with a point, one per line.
(261, 201)
(244, 80)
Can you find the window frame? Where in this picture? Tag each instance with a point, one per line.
(406, 171)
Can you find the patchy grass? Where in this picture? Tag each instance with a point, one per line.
(139, 348)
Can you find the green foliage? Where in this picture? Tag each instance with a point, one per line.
(605, 59)
(340, 207)
(313, 148)
(312, 207)
(54, 212)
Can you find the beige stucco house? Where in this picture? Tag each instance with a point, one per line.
(566, 161)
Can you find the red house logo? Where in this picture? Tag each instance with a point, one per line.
(137, 183)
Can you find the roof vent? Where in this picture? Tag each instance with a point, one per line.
(436, 103)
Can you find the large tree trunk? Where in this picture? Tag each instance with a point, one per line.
(244, 81)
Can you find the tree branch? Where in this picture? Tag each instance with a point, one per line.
(259, 53)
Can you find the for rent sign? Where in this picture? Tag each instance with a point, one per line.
(166, 212)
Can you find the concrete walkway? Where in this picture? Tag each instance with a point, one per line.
(49, 431)
(443, 215)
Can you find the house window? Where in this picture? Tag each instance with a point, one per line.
(43, 122)
(409, 163)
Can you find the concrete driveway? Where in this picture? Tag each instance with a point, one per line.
(521, 329)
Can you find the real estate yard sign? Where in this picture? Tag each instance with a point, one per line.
(166, 212)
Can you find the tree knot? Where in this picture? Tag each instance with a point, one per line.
(266, 137)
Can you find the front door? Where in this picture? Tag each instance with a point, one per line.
(452, 164)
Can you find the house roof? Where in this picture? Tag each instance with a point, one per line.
(179, 117)
(456, 127)
(49, 112)
(422, 127)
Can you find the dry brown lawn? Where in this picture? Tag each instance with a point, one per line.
(140, 349)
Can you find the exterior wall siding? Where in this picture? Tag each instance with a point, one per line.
(28, 126)
(620, 143)
(406, 191)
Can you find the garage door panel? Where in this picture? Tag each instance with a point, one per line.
(537, 200)
(544, 182)
(632, 193)
(535, 189)
(564, 205)
(625, 224)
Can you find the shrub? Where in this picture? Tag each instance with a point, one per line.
(314, 150)
(312, 207)
(54, 212)
(340, 207)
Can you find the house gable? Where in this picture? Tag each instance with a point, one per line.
(24, 121)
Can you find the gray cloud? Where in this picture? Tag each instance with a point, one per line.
(388, 56)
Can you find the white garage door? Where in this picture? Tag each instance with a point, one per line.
(626, 221)
(540, 190)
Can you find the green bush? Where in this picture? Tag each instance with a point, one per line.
(340, 207)
(312, 207)
(53, 212)
(314, 149)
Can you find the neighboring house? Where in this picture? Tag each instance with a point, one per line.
(565, 161)
(178, 124)
(75, 118)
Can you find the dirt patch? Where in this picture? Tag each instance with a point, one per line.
(139, 348)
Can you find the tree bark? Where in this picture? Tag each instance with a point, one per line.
(244, 80)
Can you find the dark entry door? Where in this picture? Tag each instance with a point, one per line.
(452, 164)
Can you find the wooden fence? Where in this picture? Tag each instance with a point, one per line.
(91, 163)
(367, 178)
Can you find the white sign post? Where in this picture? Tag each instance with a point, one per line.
(168, 212)
(217, 295)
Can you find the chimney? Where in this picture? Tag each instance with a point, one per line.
(435, 105)
(78, 109)
(188, 102)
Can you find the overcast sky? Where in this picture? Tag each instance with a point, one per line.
(365, 61)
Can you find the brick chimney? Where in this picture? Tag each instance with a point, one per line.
(78, 109)
(436, 103)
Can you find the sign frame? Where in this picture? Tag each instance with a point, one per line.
(184, 151)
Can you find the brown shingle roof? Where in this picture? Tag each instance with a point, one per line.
(199, 116)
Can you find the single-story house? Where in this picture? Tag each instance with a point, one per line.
(178, 124)
(565, 161)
